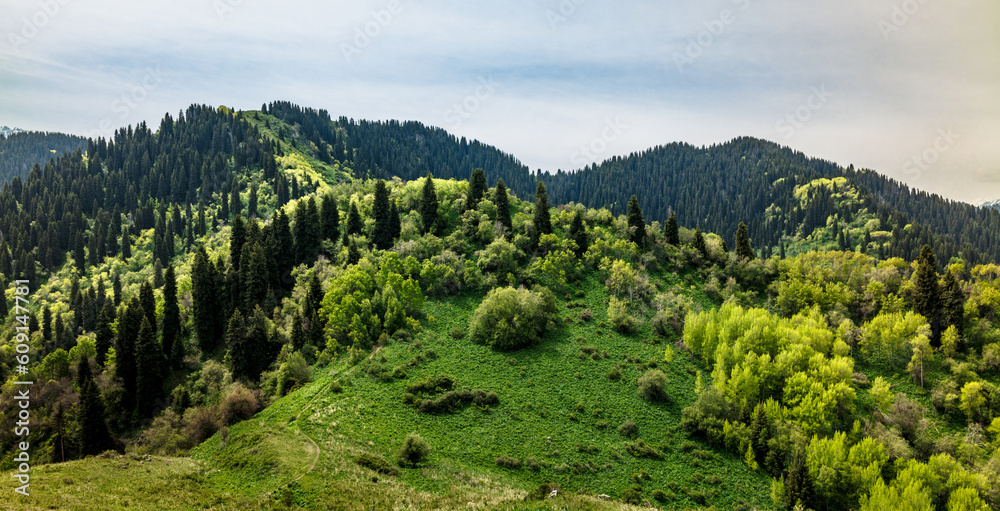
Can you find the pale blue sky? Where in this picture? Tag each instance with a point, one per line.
(910, 88)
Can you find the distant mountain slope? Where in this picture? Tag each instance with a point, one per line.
(994, 204)
(20, 150)
(7, 130)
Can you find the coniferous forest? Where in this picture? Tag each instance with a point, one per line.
(274, 309)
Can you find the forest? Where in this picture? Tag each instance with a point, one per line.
(810, 347)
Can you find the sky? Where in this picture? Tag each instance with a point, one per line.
(909, 88)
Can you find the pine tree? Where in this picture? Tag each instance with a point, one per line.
(578, 233)
(382, 235)
(699, 242)
(743, 249)
(503, 207)
(330, 218)
(148, 302)
(95, 437)
(171, 312)
(149, 370)
(429, 205)
(237, 237)
(671, 231)
(636, 223)
(103, 333)
(477, 187)
(927, 301)
(953, 303)
(542, 218)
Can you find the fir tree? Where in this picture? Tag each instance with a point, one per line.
(157, 274)
(953, 303)
(578, 233)
(235, 205)
(148, 302)
(284, 244)
(429, 205)
(130, 317)
(116, 287)
(126, 246)
(636, 223)
(542, 219)
(927, 300)
(382, 235)
(395, 226)
(297, 334)
(205, 304)
(671, 231)
(477, 187)
(743, 249)
(503, 207)
(79, 256)
(171, 312)
(46, 323)
(253, 276)
(252, 201)
(95, 437)
(354, 222)
(353, 255)
(149, 370)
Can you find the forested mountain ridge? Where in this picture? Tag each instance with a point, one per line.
(716, 187)
(19, 150)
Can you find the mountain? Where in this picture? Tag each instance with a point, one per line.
(993, 204)
(227, 307)
(20, 150)
(4, 131)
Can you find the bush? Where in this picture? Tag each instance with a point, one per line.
(659, 495)
(457, 332)
(640, 449)
(543, 492)
(432, 385)
(376, 463)
(508, 462)
(414, 451)
(614, 374)
(239, 403)
(652, 386)
(632, 495)
(628, 429)
(619, 316)
(510, 319)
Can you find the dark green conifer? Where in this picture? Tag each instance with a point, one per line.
(671, 231)
(578, 233)
(503, 207)
(477, 187)
(429, 205)
(171, 312)
(542, 218)
(95, 437)
(382, 235)
(636, 223)
(927, 300)
(743, 249)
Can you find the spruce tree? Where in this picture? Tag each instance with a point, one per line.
(743, 249)
(157, 274)
(353, 254)
(126, 245)
(149, 370)
(95, 437)
(237, 354)
(429, 205)
(46, 323)
(953, 303)
(382, 235)
(671, 231)
(129, 320)
(798, 487)
(927, 300)
(205, 303)
(103, 333)
(252, 201)
(297, 334)
(395, 226)
(284, 244)
(253, 276)
(237, 237)
(235, 204)
(354, 222)
(477, 187)
(542, 218)
(503, 207)
(79, 256)
(636, 223)
(116, 287)
(578, 233)
(171, 312)
(148, 302)
(699, 242)
(330, 218)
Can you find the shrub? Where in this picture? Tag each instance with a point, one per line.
(508, 462)
(640, 449)
(586, 315)
(632, 495)
(510, 319)
(614, 374)
(414, 451)
(457, 332)
(628, 429)
(652, 386)
(239, 403)
(376, 463)
(432, 385)
(543, 491)
(619, 316)
(659, 495)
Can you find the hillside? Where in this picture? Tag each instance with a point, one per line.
(20, 150)
(241, 314)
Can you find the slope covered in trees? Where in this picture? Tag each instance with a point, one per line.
(21, 150)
